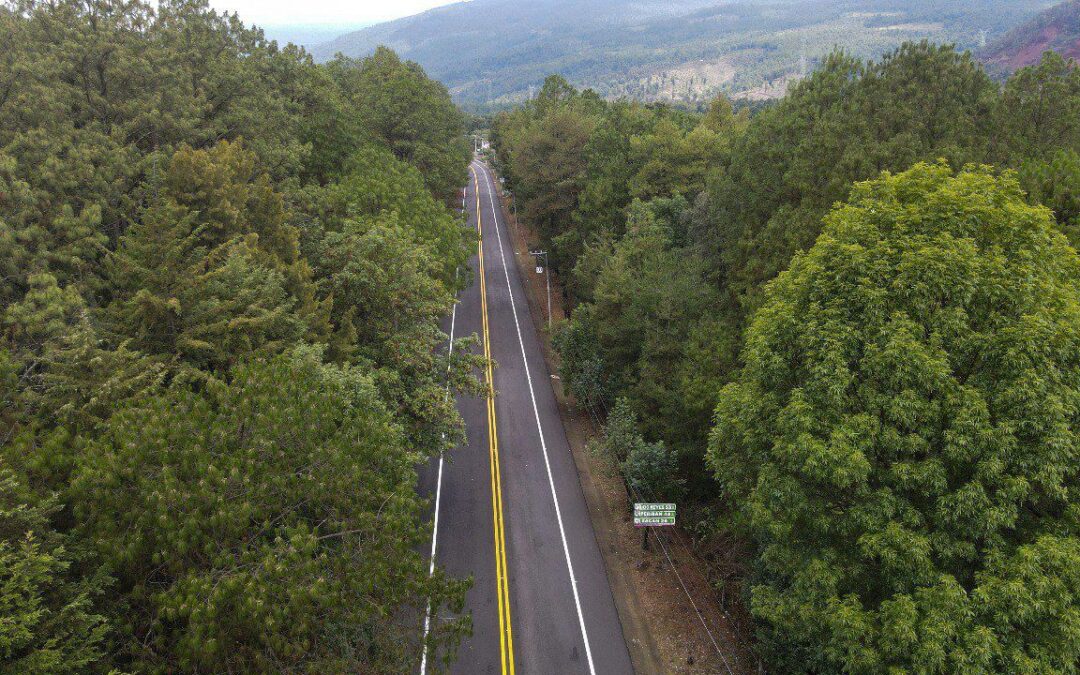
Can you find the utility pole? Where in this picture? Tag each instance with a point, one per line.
(547, 279)
(513, 205)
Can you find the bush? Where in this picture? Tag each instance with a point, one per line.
(649, 469)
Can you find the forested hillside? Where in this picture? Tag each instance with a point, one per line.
(668, 51)
(1057, 29)
(222, 268)
(844, 334)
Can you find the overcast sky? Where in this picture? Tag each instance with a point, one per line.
(323, 12)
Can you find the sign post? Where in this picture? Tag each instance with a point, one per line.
(547, 279)
(648, 514)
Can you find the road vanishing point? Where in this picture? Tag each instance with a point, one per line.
(508, 509)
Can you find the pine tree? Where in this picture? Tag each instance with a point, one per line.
(411, 113)
(1054, 182)
(269, 523)
(203, 278)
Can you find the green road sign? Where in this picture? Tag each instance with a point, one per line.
(653, 515)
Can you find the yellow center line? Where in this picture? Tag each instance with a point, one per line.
(506, 641)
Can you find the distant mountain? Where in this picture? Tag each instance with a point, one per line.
(307, 35)
(498, 51)
(1057, 29)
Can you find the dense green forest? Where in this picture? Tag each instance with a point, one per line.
(222, 268)
(844, 332)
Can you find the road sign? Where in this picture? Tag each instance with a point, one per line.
(648, 514)
(539, 270)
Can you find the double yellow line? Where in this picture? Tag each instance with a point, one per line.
(506, 641)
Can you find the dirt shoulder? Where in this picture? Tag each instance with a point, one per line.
(665, 631)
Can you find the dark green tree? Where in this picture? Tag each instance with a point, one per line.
(646, 297)
(650, 469)
(673, 161)
(270, 524)
(1036, 114)
(1054, 182)
(390, 258)
(548, 164)
(203, 279)
(160, 164)
(846, 122)
(413, 114)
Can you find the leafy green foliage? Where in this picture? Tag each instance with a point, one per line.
(645, 281)
(577, 162)
(202, 278)
(640, 337)
(581, 365)
(45, 315)
(901, 444)
(846, 122)
(388, 257)
(1036, 116)
(542, 148)
(672, 161)
(48, 624)
(649, 469)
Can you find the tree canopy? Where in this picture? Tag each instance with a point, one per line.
(901, 442)
(222, 268)
(267, 525)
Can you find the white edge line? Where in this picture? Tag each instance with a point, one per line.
(438, 494)
(539, 429)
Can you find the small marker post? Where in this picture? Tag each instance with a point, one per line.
(543, 269)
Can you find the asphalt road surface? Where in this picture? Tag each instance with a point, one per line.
(509, 508)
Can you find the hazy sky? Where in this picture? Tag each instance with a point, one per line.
(323, 12)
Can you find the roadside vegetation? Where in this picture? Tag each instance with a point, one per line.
(222, 268)
(844, 330)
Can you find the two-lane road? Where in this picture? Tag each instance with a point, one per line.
(509, 509)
